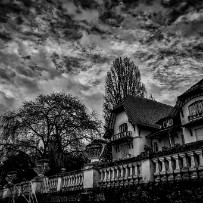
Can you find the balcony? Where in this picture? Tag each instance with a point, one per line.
(196, 116)
(122, 137)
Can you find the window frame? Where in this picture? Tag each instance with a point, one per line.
(123, 127)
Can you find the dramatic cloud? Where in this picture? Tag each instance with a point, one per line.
(69, 45)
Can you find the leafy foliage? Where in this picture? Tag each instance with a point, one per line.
(53, 126)
(19, 162)
(122, 80)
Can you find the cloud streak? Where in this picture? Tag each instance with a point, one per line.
(69, 46)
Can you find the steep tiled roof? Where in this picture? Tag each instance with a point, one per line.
(145, 111)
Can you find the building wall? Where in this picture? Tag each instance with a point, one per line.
(163, 140)
(184, 119)
(139, 138)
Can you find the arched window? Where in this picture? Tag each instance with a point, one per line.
(196, 108)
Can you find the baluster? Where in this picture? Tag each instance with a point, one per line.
(130, 171)
(185, 168)
(177, 169)
(130, 176)
(135, 174)
(170, 169)
(101, 175)
(157, 171)
(113, 174)
(81, 179)
(105, 175)
(139, 173)
(192, 169)
(200, 166)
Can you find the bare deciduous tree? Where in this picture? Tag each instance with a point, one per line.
(54, 124)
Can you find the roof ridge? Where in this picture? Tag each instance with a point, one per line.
(150, 100)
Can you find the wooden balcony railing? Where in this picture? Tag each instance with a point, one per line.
(122, 136)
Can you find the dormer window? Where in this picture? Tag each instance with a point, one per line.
(167, 123)
(123, 128)
(195, 109)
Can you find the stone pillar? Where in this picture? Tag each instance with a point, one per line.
(147, 172)
(116, 173)
(108, 174)
(200, 166)
(121, 176)
(113, 174)
(135, 174)
(185, 168)
(105, 175)
(131, 171)
(193, 168)
(91, 177)
(59, 184)
(163, 171)
(177, 169)
(126, 172)
(116, 176)
(157, 172)
(121, 167)
(130, 175)
(170, 169)
(101, 175)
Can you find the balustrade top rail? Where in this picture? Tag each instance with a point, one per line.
(126, 134)
(62, 174)
(178, 148)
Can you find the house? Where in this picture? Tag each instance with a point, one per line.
(131, 122)
(174, 140)
(184, 124)
(137, 122)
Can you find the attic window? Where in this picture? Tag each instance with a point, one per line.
(123, 128)
(196, 108)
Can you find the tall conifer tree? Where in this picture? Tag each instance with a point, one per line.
(122, 80)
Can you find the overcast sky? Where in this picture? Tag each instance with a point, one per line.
(48, 47)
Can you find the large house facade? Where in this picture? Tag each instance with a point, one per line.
(149, 141)
(138, 122)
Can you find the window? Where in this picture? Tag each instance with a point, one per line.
(130, 145)
(117, 148)
(155, 147)
(196, 108)
(167, 123)
(123, 128)
(199, 133)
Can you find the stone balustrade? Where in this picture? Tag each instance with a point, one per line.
(53, 184)
(121, 175)
(73, 182)
(180, 163)
(179, 166)
(65, 182)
